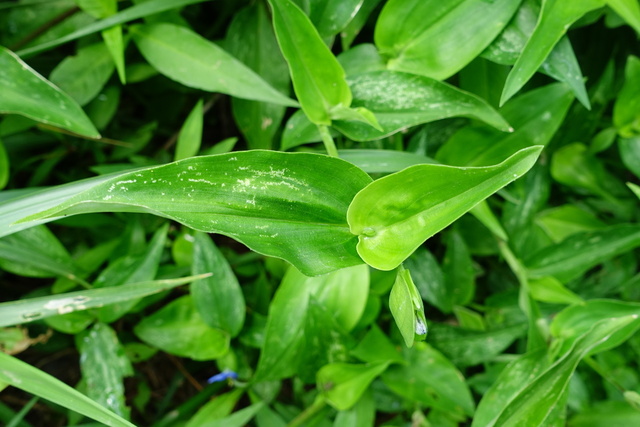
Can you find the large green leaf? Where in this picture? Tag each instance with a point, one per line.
(251, 39)
(342, 384)
(538, 400)
(279, 204)
(511, 381)
(83, 75)
(556, 17)
(178, 329)
(629, 10)
(104, 366)
(419, 36)
(331, 16)
(401, 100)
(27, 93)
(318, 78)
(561, 64)
(397, 213)
(30, 309)
(136, 11)
(407, 308)
(582, 251)
(625, 110)
(32, 380)
(219, 299)
(535, 116)
(186, 57)
(430, 379)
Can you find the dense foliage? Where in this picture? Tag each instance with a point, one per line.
(318, 212)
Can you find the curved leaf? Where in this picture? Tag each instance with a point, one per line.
(396, 214)
(186, 57)
(420, 36)
(400, 100)
(279, 204)
(27, 93)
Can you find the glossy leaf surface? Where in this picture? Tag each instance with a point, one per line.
(218, 298)
(555, 17)
(342, 384)
(188, 58)
(418, 36)
(30, 309)
(177, 328)
(401, 100)
(276, 203)
(32, 380)
(318, 79)
(27, 93)
(407, 308)
(396, 214)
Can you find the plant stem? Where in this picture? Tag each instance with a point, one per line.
(329, 144)
(308, 413)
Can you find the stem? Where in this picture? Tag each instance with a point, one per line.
(308, 413)
(329, 145)
(45, 27)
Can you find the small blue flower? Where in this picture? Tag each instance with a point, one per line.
(222, 376)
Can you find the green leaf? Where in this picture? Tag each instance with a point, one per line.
(630, 153)
(629, 10)
(376, 347)
(285, 331)
(407, 308)
(332, 16)
(186, 57)
(555, 18)
(216, 409)
(30, 309)
(538, 400)
(563, 221)
(27, 93)
(573, 322)
(459, 274)
(362, 414)
(136, 11)
(561, 64)
(429, 279)
(83, 75)
(610, 413)
(4, 166)
(468, 348)
(535, 116)
(511, 381)
(130, 269)
(342, 384)
(625, 109)
(581, 251)
(37, 253)
(104, 365)
(178, 329)
(279, 204)
(431, 380)
(318, 78)
(32, 380)
(401, 100)
(218, 299)
(396, 214)
(419, 36)
(190, 136)
(551, 290)
(383, 161)
(251, 39)
(237, 419)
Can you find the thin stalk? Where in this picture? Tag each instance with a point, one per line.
(309, 413)
(329, 144)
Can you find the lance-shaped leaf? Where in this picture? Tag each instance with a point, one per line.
(342, 384)
(582, 251)
(279, 204)
(318, 78)
(555, 18)
(27, 93)
(30, 309)
(629, 10)
(401, 100)
(419, 36)
(25, 377)
(396, 214)
(538, 400)
(186, 57)
(407, 308)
